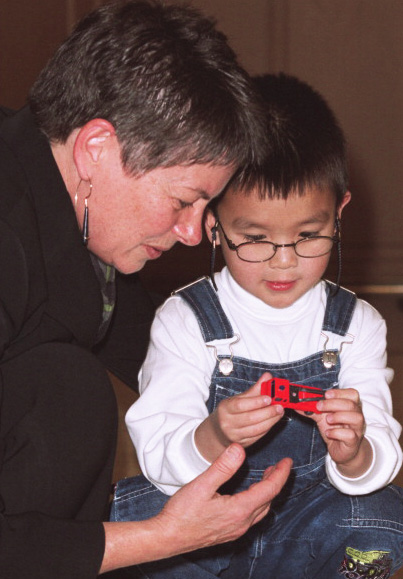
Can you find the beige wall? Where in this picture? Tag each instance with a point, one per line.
(30, 31)
(351, 50)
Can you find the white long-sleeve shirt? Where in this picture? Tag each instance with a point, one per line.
(175, 378)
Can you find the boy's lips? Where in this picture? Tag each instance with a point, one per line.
(280, 286)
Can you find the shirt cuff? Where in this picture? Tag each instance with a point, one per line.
(379, 474)
(346, 484)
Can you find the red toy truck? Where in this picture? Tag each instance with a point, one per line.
(295, 396)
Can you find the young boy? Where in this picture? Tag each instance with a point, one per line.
(269, 313)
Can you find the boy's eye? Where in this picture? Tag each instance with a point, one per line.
(307, 234)
(249, 237)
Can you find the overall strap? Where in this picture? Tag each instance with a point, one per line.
(203, 300)
(339, 309)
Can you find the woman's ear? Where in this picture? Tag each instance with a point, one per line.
(91, 141)
(211, 227)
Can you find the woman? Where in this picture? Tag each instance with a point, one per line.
(141, 117)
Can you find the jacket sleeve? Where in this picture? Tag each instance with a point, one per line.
(33, 545)
(13, 287)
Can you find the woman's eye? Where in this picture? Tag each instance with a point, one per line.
(184, 204)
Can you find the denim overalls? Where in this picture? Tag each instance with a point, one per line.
(312, 530)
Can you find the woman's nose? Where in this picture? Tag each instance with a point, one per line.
(188, 229)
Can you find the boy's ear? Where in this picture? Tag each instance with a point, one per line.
(90, 144)
(346, 199)
(209, 225)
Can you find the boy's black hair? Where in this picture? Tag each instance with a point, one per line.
(164, 77)
(307, 145)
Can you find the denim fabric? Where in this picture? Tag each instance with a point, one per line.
(307, 536)
(136, 499)
(294, 436)
(312, 535)
(312, 530)
(207, 308)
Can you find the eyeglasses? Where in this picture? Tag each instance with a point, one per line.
(256, 251)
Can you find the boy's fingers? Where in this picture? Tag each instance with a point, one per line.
(255, 389)
(339, 404)
(346, 393)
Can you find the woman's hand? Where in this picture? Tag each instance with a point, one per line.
(196, 516)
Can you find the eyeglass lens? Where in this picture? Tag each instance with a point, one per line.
(264, 250)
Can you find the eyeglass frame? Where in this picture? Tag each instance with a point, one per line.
(231, 245)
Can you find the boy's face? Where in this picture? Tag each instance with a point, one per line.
(283, 279)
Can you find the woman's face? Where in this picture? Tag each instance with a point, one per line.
(135, 219)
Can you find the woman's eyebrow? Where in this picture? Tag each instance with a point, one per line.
(201, 192)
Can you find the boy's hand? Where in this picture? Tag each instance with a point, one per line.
(244, 419)
(342, 426)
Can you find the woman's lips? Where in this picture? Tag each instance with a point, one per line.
(280, 286)
(153, 252)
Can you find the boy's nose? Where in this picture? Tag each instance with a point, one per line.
(284, 258)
